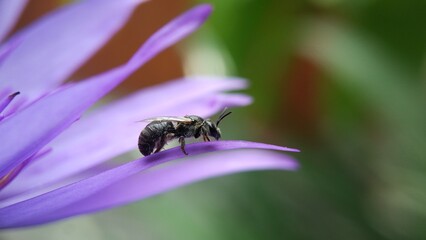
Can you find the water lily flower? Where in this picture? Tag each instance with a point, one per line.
(53, 159)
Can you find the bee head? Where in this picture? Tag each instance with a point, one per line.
(214, 130)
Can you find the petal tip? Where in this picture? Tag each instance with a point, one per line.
(292, 149)
(203, 11)
(287, 149)
(206, 8)
(292, 165)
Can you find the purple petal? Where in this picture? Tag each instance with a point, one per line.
(6, 49)
(4, 181)
(194, 169)
(171, 33)
(5, 102)
(54, 205)
(55, 46)
(9, 14)
(29, 130)
(107, 140)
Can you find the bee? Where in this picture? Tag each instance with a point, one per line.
(160, 130)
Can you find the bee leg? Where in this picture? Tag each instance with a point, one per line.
(160, 144)
(206, 138)
(182, 145)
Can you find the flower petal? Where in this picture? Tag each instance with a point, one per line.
(171, 33)
(9, 14)
(195, 168)
(6, 101)
(27, 131)
(55, 46)
(4, 181)
(53, 205)
(109, 140)
(6, 49)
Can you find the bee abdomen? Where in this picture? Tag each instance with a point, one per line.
(146, 148)
(151, 135)
(146, 142)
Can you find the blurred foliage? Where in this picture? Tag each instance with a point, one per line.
(342, 80)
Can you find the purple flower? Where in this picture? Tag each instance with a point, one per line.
(53, 166)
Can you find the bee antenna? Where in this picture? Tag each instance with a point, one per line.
(223, 111)
(222, 116)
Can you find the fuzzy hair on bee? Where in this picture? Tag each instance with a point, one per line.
(160, 130)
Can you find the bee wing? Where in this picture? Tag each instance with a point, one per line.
(168, 118)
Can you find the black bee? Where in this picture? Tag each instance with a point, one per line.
(160, 130)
